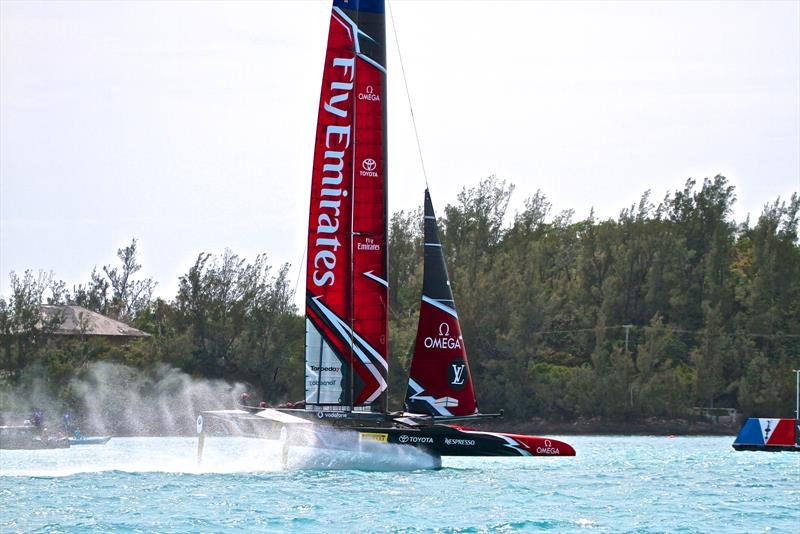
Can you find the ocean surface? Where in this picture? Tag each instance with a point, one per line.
(614, 484)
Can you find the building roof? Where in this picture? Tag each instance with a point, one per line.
(81, 321)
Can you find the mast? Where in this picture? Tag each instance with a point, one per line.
(346, 288)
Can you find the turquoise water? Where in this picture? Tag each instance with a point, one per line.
(615, 484)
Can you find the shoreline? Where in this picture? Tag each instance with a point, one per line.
(600, 427)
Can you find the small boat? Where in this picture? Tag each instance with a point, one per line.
(347, 289)
(29, 437)
(763, 434)
(89, 440)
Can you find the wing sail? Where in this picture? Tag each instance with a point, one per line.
(346, 315)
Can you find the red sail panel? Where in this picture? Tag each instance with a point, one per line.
(439, 380)
(370, 287)
(346, 267)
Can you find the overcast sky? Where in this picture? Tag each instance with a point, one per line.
(190, 125)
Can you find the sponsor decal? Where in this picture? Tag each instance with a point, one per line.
(443, 340)
(405, 438)
(548, 448)
(457, 441)
(368, 166)
(317, 381)
(457, 374)
(329, 369)
(331, 415)
(322, 382)
(337, 142)
(369, 94)
(369, 245)
(373, 436)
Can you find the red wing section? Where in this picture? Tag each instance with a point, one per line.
(346, 268)
(439, 381)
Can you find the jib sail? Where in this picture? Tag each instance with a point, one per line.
(346, 288)
(439, 381)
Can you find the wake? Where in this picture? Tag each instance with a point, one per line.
(221, 455)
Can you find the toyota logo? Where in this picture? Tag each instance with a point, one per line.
(403, 439)
(368, 164)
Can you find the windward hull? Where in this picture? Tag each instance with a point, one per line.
(445, 440)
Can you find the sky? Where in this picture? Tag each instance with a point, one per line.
(190, 125)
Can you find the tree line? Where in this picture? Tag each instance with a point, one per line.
(669, 306)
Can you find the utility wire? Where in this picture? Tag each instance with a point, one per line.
(667, 329)
(408, 95)
(300, 269)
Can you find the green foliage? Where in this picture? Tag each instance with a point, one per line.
(239, 323)
(713, 309)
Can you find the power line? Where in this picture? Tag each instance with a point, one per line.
(408, 95)
(667, 329)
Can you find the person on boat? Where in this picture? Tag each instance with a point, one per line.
(37, 418)
(78, 433)
(296, 405)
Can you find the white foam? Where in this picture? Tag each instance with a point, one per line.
(220, 455)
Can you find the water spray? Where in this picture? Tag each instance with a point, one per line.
(201, 439)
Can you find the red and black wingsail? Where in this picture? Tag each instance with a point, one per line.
(439, 381)
(346, 288)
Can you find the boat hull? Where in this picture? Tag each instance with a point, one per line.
(767, 448)
(442, 440)
(25, 441)
(93, 440)
(349, 431)
(28, 437)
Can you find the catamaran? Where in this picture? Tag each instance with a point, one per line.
(346, 310)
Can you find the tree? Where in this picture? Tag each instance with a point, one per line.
(22, 327)
(240, 322)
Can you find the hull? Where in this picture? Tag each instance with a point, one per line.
(439, 440)
(28, 438)
(94, 440)
(353, 430)
(767, 448)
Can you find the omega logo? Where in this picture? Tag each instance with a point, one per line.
(369, 95)
(443, 340)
